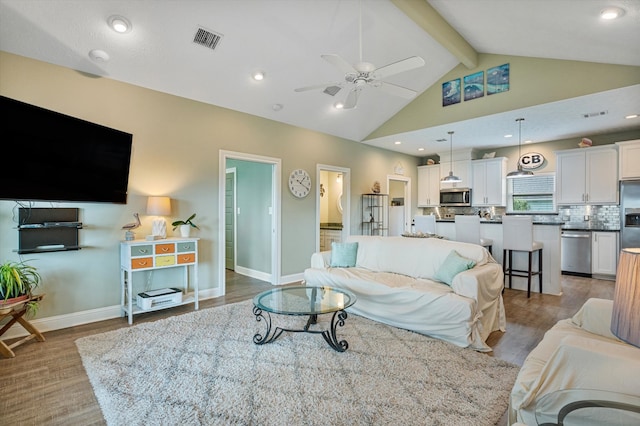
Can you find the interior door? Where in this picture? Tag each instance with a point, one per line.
(230, 219)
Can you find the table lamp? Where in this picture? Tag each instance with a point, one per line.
(625, 319)
(159, 206)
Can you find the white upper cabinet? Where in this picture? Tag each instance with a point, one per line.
(429, 186)
(629, 159)
(587, 175)
(460, 168)
(489, 183)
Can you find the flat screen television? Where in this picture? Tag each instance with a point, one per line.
(56, 157)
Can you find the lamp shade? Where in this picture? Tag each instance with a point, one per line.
(159, 206)
(625, 319)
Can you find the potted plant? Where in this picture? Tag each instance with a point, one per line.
(17, 282)
(185, 225)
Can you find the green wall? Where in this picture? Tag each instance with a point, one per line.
(176, 150)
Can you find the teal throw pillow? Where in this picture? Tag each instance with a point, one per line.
(452, 266)
(343, 255)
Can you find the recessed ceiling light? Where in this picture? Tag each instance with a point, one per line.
(338, 105)
(508, 136)
(119, 24)
(527, 141)
(258, 75)
(612, 13)
(397, 143)
(631, 116)
(277, 107)
(99, 55)
(420, 149)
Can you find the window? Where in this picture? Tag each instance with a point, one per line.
(532, 194)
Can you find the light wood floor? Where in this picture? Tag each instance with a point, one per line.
(45, 384)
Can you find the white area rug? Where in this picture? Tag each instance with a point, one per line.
(202, 368)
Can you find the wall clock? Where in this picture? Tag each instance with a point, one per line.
(299, 183)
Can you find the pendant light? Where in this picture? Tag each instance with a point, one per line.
(450, 178)
(519, 172)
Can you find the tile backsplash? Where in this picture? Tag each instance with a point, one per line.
(600, 217)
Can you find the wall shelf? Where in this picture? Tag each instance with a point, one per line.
(44, 230)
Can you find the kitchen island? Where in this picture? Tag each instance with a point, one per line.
(548, 233)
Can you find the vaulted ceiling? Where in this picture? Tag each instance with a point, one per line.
(285, 39)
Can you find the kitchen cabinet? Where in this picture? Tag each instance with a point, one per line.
(429, 186)
(489, 182)
(629, 159)
(328, 236)
(587, 176)
(460, 168)
(604, 253)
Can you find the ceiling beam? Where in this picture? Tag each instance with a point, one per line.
(423, 14)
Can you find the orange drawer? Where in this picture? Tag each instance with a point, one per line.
(165, 260)
(142, 262)
(165, 248)
(186, 258)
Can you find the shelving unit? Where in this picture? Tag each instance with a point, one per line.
(141, 255)
(42, 230)
(375, 214)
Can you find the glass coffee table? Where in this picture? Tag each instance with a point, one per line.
(580, 407)
(302, 301)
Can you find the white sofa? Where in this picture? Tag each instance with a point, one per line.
(577, 353)
(393, 280)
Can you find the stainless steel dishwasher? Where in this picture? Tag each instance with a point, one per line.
(575, 254)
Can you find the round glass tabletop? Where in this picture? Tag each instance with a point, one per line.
(304, 300)
(581, 407)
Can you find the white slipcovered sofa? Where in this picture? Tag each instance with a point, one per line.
(393, 279)
(577, 353)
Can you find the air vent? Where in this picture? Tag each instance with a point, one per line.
(595, 114)
(207, 38)
(332, 90)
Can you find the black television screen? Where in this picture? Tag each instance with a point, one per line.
(57, 157)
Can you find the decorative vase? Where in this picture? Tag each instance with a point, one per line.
(185, 230)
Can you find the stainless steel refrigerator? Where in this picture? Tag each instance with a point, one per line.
(629, 213)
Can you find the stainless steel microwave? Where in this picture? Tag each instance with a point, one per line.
(455, 197)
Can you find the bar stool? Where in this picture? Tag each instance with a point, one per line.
(425, 223)
(517, 235)
(468, 231)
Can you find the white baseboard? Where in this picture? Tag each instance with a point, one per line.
(259, 275)
(74, 319)
(288, 279)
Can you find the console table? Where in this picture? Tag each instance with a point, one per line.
(145, 256)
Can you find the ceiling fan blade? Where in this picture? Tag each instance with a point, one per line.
(394, 89)
(339, 63)
(398, 67)
(352, 99)
(317, 86)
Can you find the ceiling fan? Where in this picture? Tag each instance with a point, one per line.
(365, 74)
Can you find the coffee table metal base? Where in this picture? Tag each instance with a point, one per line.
(330, 337)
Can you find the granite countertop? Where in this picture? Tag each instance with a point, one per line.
(330, 225)
(565, 226)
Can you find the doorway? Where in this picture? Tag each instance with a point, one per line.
(399, 188)
(333, 205)
(249, 209)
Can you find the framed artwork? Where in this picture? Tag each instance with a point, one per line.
(474, 86)
(451, 92)
(498, 79)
